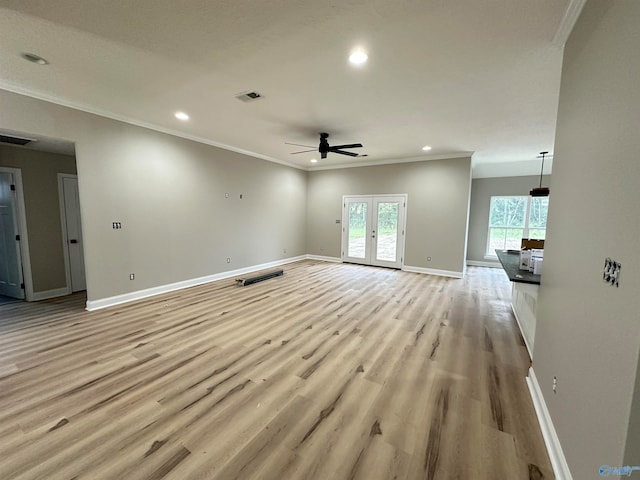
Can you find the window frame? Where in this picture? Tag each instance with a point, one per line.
(525, 229)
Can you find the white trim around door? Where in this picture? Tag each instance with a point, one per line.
(373, 229)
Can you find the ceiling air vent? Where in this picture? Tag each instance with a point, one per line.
(248, 96)
(14, 140)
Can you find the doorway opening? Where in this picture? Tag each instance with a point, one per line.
(373, 229)
(35, 164)
(12, 236)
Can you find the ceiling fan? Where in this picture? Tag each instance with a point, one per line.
(324, 148)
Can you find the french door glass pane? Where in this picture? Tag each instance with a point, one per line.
(357, 229)
(387, 235)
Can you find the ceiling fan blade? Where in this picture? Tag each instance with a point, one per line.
(304, 151)
(299, 145)
(342, 152)
(350, 145)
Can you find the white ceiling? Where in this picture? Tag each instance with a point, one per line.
(461, 76)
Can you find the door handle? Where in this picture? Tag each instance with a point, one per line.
(73, 240)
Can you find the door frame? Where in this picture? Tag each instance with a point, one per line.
(65, 233)
(345, 220)
(25, 258)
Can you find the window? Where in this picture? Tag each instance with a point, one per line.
(513, 218)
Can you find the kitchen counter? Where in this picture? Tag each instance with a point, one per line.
(511, 264)
(524, 295)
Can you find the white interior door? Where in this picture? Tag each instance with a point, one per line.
(72, 232)
(11, 275)
(373, 230)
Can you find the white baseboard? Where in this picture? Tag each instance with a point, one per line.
(150, 292)
(46, 294)
(476, 263)
(551, 440)
(324, 259)
(433, 271)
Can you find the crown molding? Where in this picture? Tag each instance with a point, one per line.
(373, 163)
(10, 87)
(567, 23)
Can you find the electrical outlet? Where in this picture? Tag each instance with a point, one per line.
(228, 260)
(132, 276)
(226, 195)
(555, 384)
(116, 225)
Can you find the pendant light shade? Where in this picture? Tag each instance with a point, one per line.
(540, 191)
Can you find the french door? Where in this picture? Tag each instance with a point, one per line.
(373, 229)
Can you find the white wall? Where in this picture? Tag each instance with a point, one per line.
(588, 333)
(437, 208)
(169, 195)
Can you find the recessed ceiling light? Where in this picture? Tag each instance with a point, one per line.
(426, 148)
(313, 160)
(358, 57)
(182, 116)
(32, 57)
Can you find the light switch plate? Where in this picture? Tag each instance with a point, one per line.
(611, 273)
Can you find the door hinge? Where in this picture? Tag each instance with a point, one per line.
(22, 286)
(13, 188)
(17, 238)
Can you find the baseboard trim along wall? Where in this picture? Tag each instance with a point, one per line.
(46, 294)
(551, 440)
(476, 263)
(433, 271)
(324, 259)
(150, 292)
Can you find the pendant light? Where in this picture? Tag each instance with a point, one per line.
(540, 191)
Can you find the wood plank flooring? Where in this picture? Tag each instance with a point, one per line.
(332, 371)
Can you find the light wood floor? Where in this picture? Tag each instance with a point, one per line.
(333, 371)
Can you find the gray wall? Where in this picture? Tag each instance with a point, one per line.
(588, 333)
(169, 194)
(40, 183)
(482, 189)
(437, 208)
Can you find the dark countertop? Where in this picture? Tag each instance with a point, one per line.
(511, 263)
